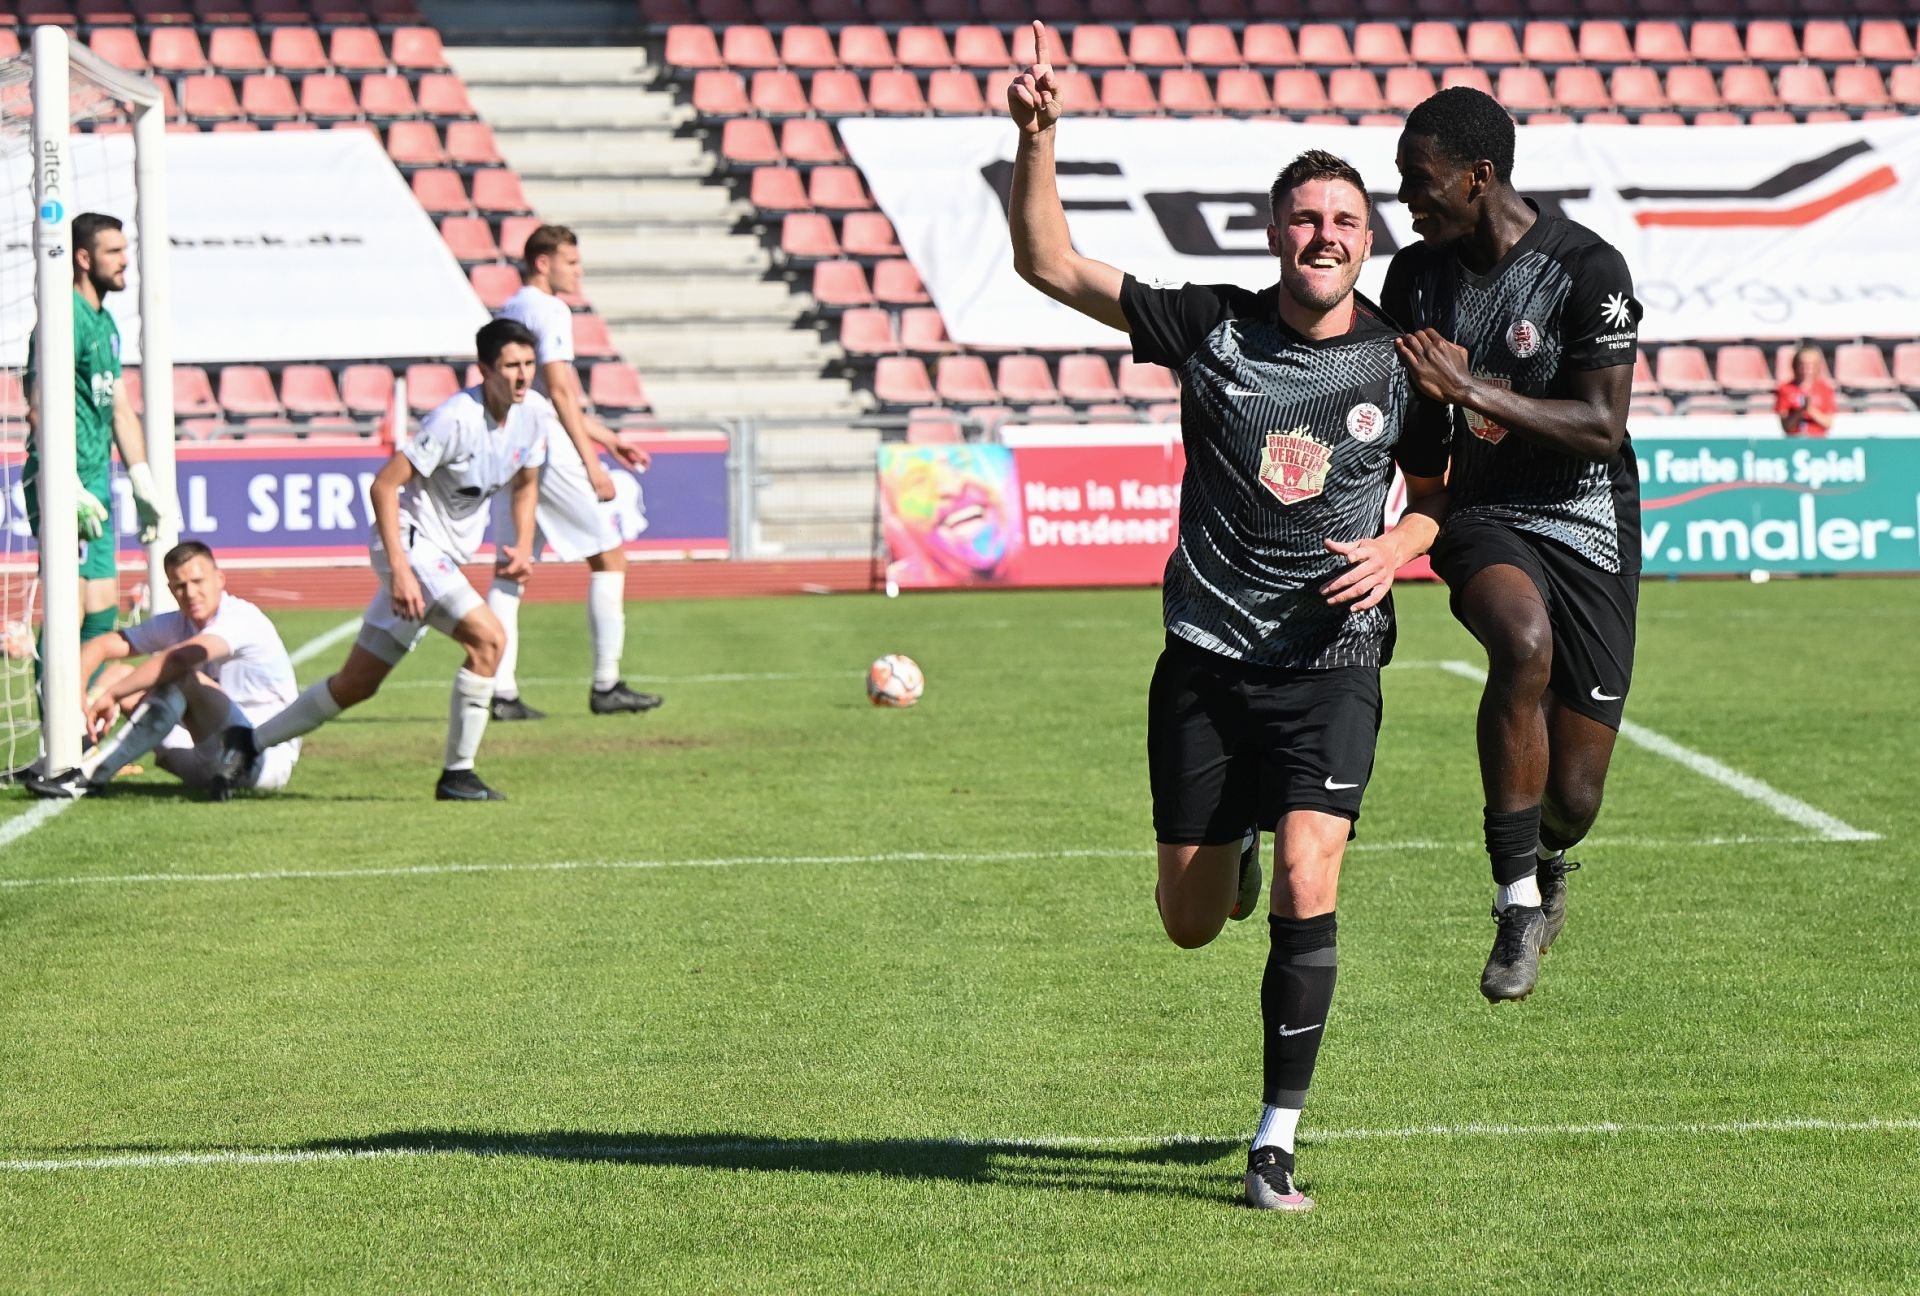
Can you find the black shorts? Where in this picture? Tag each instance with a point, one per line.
(1232, 746)
(1591, 611)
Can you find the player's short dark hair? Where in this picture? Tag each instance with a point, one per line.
(183, 553)
(1314, 164)
(1466, 126)
(547, 240)
(87, 228)
(496, 335)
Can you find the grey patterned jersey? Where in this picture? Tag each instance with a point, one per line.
(1560, 301)
(1290, 442)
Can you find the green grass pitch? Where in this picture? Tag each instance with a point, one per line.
(771, 991)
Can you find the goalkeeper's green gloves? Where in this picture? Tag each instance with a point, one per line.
(154, 511)
(94, 516)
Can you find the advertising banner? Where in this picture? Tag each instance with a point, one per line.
(303, 245)
(1782, 232)
(1836, 505)
(306, 504)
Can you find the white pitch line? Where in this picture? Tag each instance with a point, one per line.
(692, 1151)
(1787, 807)
(320, 643)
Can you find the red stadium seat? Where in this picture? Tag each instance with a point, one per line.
(1186, 92)
(208, 98)
(367, 389)
(720, 94)
(471, 144)
(1408, 86)
(1743, 370)
(469, 238)
(865, 46)
(418, 49)
(1693, 86)
(1147, 382)
(923, 47)
(117, 45)
(1269, 45)
(247, 391)
(356, 49)
(869, 235)
(990, 417)
(868, 331)
(808, 236)
(1580, 89)
(1684, 369)
(1324, 45)
(1903, 84)
(1643, 383)
(748, 48)
(591, 341)
(965, 380)
(1437, 44)
(296, 49)
(897, 283)
(176, 50)
(902, 380)
(441, 192)
(1212, 45)
(1491, 44)
(810, 141)
(838, 188)
(269, 97)
(308, 391)
(1127, 93)
(1605, 41)
(1772, 41)
(1021, 44)
(192, 393)
(386, 97)
(778, 189)
(924, 332)
(443, 97)
(616, 387)
(1523, 89)
(1353, 90)
(692, 47)
(1771, 117)
(1906, 365)
(494, 284)
(497, 191)
(327, 96)
(895, 91)
(982, 48)
(934, 427)
(1638, 88)
(1827, 41)
(242, 127)
(1884, 41)
(236, 50)
(780, 94)
(1716, 42)
(415, 144)
(1097, 46)
(955, 93)
(1085, 379)
(836, 92)
(1380, 44)
(1244, 91)
(839, 285)
(1748, 87)
(429, 385)
(1165, 412)
(1155, 45)
(1660, 42)
(808, 48)
(1467, 76)
(1802, 86)
(1861, 366)
(1860, 87)
(13, 395)
(1025, 380)
(1297, 90)
(1550, 43)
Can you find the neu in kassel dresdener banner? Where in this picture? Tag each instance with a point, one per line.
(1731, 232)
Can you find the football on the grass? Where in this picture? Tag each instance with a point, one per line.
(895, 681)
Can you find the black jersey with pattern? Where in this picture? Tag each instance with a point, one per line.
(1290, 442)
(1560, 301)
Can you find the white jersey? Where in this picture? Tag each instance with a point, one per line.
(461, 458)
(255, 673)
(550, 320)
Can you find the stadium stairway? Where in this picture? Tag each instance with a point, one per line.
(682, 284)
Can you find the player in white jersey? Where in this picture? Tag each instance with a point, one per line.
(429, 517)
(214, 664)
(577, 514)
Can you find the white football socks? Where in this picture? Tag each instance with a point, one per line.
(1277, 1125)
(607, 622)
(504, 598)
(313, 708)
(467, 717)
(1544, 852)
(144, 730)
(1524, 892)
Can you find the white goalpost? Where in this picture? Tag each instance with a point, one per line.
(44, 95)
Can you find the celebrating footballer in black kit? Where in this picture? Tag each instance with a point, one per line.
(1527, 324)
(1263, 710)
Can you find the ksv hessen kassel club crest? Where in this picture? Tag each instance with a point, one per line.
(1294, 466)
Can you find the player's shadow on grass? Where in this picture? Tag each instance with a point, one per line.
(1152, 1168)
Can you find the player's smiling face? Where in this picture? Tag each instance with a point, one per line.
(1322, 235)
(196, 585)
(1438, 192)
(511, 376)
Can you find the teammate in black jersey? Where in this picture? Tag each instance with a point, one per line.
(1265, 705)
(1526, 323)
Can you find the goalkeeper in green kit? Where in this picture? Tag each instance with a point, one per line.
(103, 416)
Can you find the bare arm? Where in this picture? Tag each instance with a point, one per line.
(128, 435)
(1370, 577)
(100, 650)
(1043, 252)
(1591, 424)
(517, 564)
(384, 494)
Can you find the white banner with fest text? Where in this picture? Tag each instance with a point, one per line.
(301, 245)
(1773, 232)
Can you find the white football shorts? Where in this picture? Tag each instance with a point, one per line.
(196, 763)
(449, 597)
(570, 519)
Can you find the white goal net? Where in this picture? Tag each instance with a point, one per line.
(76, 135)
